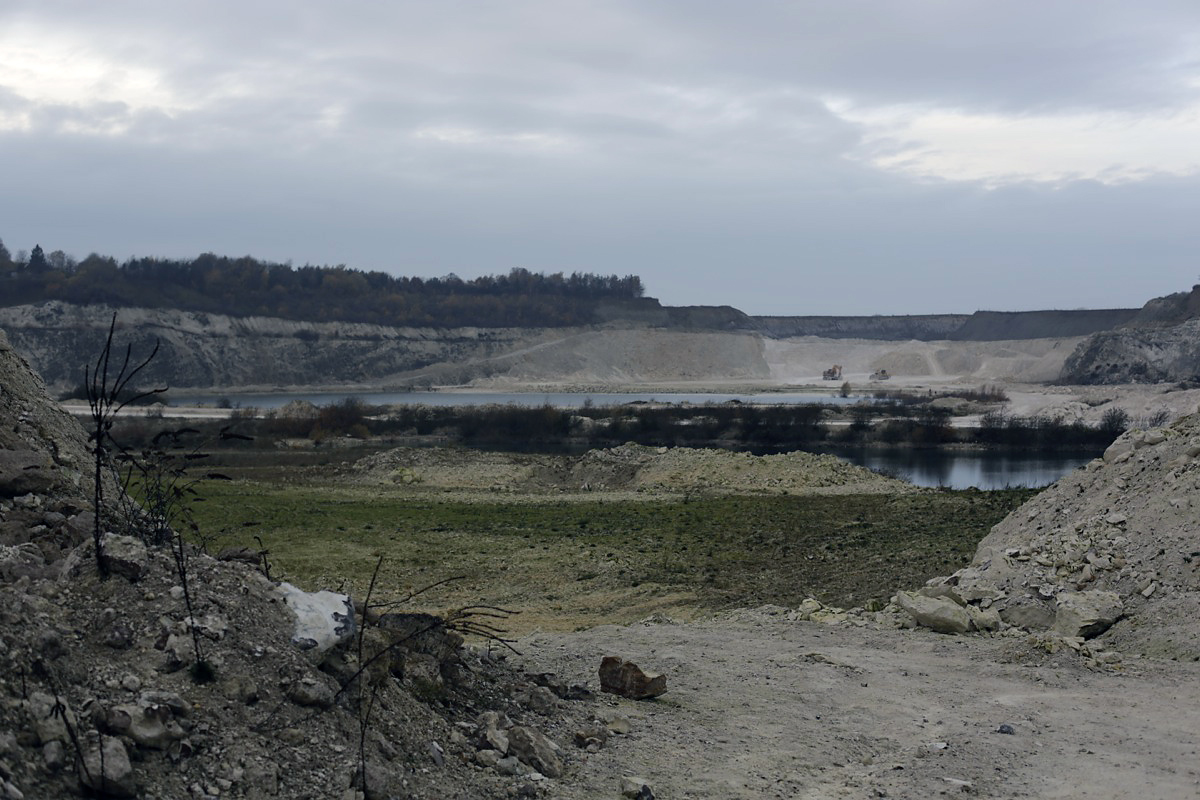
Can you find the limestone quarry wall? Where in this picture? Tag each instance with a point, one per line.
(217, 352)
(1137, 355)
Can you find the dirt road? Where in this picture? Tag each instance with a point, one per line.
(762, 707)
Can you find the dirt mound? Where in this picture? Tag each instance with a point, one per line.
(102, 694)
(447, 468)
(743, 473)
(1125, 524)
(628, 468)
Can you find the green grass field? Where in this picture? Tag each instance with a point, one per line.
(584, 562)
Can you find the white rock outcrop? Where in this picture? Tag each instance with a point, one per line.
(324, 619)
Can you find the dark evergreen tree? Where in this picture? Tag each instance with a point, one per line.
(37, 260)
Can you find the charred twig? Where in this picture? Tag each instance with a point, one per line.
(422, 590)
(105, 401)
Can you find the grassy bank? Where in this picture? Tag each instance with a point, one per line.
(568, 564)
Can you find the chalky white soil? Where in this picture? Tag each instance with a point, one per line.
(762, 707)
(764, 703)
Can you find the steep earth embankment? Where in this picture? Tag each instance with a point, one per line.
(200, 350)
(42, 447)
(1161, 343)
(1118, 535)
(1137, 355)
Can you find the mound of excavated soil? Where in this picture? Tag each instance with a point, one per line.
(97, 698)
(630, 467)
(680, 469)
(1126, 524)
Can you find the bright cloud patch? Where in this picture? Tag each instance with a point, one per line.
(473, 137)
(1047, 148)
(39, 71)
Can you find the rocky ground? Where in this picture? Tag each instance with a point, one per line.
(212, 680)
(762, 705)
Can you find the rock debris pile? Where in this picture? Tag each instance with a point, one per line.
(1112, 549)
(99, 694)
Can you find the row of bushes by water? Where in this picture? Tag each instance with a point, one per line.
(758, 427)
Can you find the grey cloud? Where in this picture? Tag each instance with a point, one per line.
(699, 153)
(976, 54)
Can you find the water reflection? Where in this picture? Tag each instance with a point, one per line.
(529, 399)
(959, 470)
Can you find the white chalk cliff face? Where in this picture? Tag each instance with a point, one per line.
(1161, 343)
(1138, 355)
(211, 351)
(208, 350)
(200, 350)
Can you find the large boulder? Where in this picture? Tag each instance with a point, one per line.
(421, 645)
(625, 678)
(148, 723)
(25, 471)
(1027, 613)
(1086, 614)
(124, 555)
(105, 768)
(936, 613)
(532, 748)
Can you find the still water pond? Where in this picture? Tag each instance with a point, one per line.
(955, 470)
(958, 470)
(556, 399)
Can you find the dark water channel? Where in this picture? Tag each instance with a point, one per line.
(930, 468)
(527, 399)
(962, 470)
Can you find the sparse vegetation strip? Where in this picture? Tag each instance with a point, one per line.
(588, 561)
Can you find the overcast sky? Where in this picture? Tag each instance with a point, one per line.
(848, 157)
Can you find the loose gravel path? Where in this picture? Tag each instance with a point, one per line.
(762, 707)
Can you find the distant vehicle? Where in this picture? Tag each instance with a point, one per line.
(881, 375)
(834, 373)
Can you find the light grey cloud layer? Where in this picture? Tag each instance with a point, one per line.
(864, 156)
